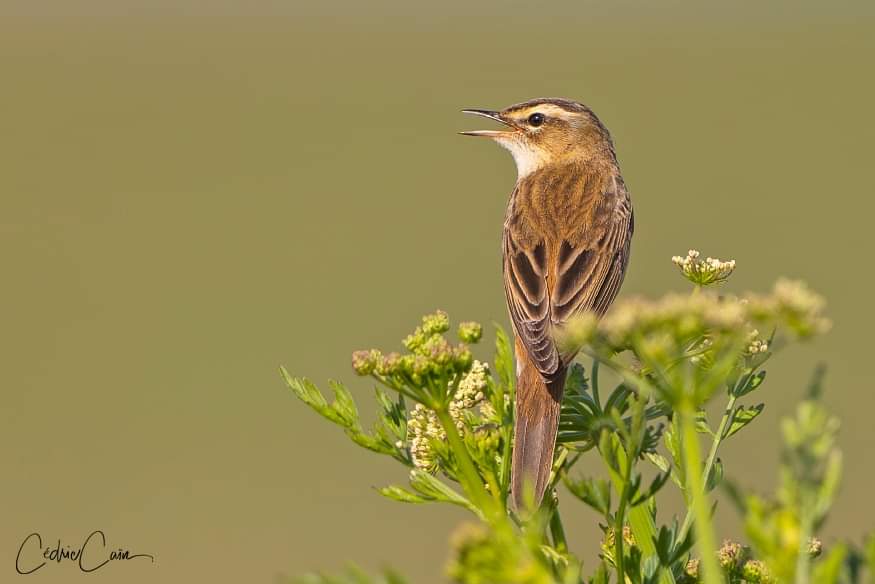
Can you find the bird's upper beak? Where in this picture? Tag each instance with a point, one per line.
(492, 116)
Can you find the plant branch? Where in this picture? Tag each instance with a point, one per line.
(470, 478)
(709, 462)
(702, 514)
(557, 531)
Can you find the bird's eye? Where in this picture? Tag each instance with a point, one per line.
(536, 119)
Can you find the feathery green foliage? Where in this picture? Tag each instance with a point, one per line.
(673, 356)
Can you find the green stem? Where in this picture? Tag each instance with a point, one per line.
(504, 479)
(709, 462)
(641, 522)
(470, 478)
(595, 383)
(705, 540)
(508, 416)
(557, 532)
(620, 522)
(803, 558)
(557, 467)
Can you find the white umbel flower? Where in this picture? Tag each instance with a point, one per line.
(756, 345)
(703, 272)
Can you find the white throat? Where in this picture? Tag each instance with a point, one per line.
(527, 159)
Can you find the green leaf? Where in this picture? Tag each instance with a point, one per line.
(344, 413)
(308, 393)
(608, 445)
(594, 492)
(673, 445)
(618, 400)
(749, 383)
(557, 559)
(433, 488)
(682, 548)
(650, 439)
(659, 461)
(344, 404)
(504, 359)
(576, 382)
(664, 545)
(370, 442)
(391, 425)
(654, 488)
(829, 486)
(403, 495)
(305, 390)
(702, 426)
(427, 489)
(715, 477)
(742, 417)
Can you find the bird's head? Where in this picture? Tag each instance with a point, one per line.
(547, 131)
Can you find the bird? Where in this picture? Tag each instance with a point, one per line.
(565, 249)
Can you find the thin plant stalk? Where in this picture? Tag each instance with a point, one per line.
(643, 526)
(803, 557)
(470, 477)
(557, 532)
(640, 519)
(620, 521)
(705, 539)
(594, 379)
(709, 462)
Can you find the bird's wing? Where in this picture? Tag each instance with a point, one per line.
(548, 278)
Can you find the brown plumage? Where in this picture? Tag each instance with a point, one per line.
(565, 249)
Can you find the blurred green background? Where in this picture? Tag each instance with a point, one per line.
(193, 193)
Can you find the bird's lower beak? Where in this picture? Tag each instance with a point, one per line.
(492, 116)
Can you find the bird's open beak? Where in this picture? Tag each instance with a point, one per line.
(492, 116)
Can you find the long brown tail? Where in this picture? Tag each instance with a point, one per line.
(538, 402)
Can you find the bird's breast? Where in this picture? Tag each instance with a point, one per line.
(552, 203)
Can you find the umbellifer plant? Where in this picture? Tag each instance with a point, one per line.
(449, 418)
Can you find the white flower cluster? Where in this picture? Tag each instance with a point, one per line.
(703, 272)
(423, 426)
(470, 392)
(756, 345)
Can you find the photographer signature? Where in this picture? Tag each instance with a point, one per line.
(90, 556)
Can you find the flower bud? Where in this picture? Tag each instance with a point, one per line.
(462, 358)
(435, 324)
(755, 571)
(363, 362)
(414, 340)
(421, 365)
(470, 332)
(406, 364)
(691, 570)
(389, 365)
(730, 555)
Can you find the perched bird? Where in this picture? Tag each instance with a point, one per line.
(565, 248)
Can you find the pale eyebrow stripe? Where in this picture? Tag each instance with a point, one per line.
(547, 109)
